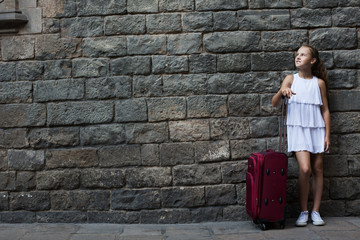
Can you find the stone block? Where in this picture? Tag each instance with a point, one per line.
(170, 64)
(230, 128)
(234, 172)
(17, 48)
(4, 198)
(202, 63)
(345, 122)
(333, 38)
(133, 199)
(82, 27)
(352, 207)
(147, 132)
(18, 217)
(264, 127)
(320, 4)
(241, 149)
(189, 43)
(126, 24)
(346, 17)
(335, 166)
(182, 197)
(347, 144)
(225, 21)
(305, 18)
(103, 7)
(347, 58)
(215, 151)
(71, 158)
(244, 105)
(160, 109)
(254, 4)
(199, 174)
(7, 182)
(102, 178)
(225, 42)
(176, 5)
(165, 216)
(146, 44)
(344, 188)
(61, 217)
(53, 90)
(15, 92)
(54, 180)
(285, 40)
(342, 101)
(206, 214)
(150, 155)
(29, 201)
(198, 22)
(224, 194)
(13, 138)
(237, 62)
(131, 110)
(7, 71)
(53, 137)
(272, 61)
(148, 86)
(348, 3)
(108, 87)
(26, 160)
(75, 113)
(83, 67)
(61, 8)
(118, 217)
(25, 181)
(342, 78)
(354, 166)
(29, 70)
(52, 47)
(80, 200)
(104, 47)
(148, 177)
(241, 193)
(51, 25)
(172, 154)
(206, 5)
(109, 134)
(119, 156)
(207, 106)
(283, 3)
(3, 160)
(264, 19)
(34, 24)
(139, 65)
(190, 130)
(235, 213)
(225, 83)
(180, 85)
(57, 69)
(163, 23)
(142, 6)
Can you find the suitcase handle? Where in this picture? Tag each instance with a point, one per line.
(284, 109)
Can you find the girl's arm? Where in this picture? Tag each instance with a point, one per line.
(285, 90)
(325, 112)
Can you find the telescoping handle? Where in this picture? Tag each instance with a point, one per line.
(284, 109)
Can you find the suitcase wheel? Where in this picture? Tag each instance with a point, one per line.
(262, 226)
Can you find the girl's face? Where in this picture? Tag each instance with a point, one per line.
(304, 59)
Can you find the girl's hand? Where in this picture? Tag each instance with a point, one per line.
(286, 92)
(327, 145)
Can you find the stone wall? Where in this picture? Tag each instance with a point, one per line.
(145, 111)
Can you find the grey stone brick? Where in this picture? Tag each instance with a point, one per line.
(57, 69)
(148, 177)
(17, 48)
(212, 151)
(22, 115)
(348, 3)
(133, 199)
(53, 137)
(345, 122)
(102, 178)
(202, 63)
(84, 67)
(237, 62)
(172, 154)
(254, 4)
(71, 158)
(80, 200)
(148, 86)
(346, 144)
(51, 47)
(226, 83)
(346, 17)
(264, 127)
(188, 175)
(29, 70)
(131, 65)
(225, 21)
(170, 64)
(341, 78)
(7, 71)
(86, 8)
(264, 19)
(75, 113)
(163, 23)
(109, 134)
(104, 47)
(119, 156)
(108, 87)
(244, 105)
(347, 58)
(165, 216)
(146, 44)
(285, 40)
(272, 61)
(352, 207)
(230, 128)
(69, 89)
(234, 172)
(333, 38)
(67, 8)
(13, 138)
(147, 132)
(304, 18)
(160, 109)
(235, 213)
(3, 160)
(119, 217)
(150, 155)
(207, 106)
(61, 217)
(53, 180)
(344, 188)
(7, 181)
(198, 22)
(190, 130)
(225, 42)
(25, 181)
(220, 195)
(202, 5)
(180, 85)
(241, 193)
(127, 24)
(334, 166)
(354, 166)
(18, 217)
(283, 3)
(206, 214)
(176, 5)
(342, 101)
(142, 6)
(15, 92)
(241, 149)
(82, 27)
(182, 197)
(188, 43)
(266, 107)
(131, 110)
(320, 4)
(51, 25)
(30, 201)
(4, 206)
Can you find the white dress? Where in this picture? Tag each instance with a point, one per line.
(305, 124)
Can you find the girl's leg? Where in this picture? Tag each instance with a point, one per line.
(317, 179)
(303, 159)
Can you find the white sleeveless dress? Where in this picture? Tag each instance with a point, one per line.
(305, 124)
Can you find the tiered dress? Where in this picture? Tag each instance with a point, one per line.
(305, 124)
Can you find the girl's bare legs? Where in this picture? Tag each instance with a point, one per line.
(317, 179)
(304, 161)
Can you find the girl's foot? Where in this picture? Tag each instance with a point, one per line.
(303, 219)
(316, 219)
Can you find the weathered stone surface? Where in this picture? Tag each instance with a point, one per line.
(346, 17)
(320, 4)
(348, 3)
(30, 201)
(160, 109)
(235, 213)
(57, 69)
(127, 199)
(18, 217)
(17, 48)
(7, 182)
(148, 86)
(127, 24)
(25, 181)
(342, 101)
(170, 64)
(346, 144)
(180, 85)
(354, 166)
(119, 217)
(206, 151)
(244, 105)
(150, 155)
(230, 128)
(61, 217)
(204, 5)
(45, 91)
(119, 156)
(220, 195)
(53, 180)
(189, 130)
(13, 138)
(51, 47)
(29, 70)
(198, 22)
(142, 6)
(187, 175)
(241, 149)
(347, 58)
(344, 188)
(234, 172)
(131, 65)
(82, 27)
(206, 214)
(53, 137)
(61, 8)
(272, 61)
(241, 193)
(104, 47)
(334, 166)
(182, 197)
(341, 78)
(147, 44)
(237, 62)
(172, 154)
(225, 21)
(75, 113)
(206, 106)
(148, 177)
(15, 92)
(108, 87)
(147, 132)
(285, 40)
(202, 63)
(264, 19)
(264, 127)
(334, 38)
(304, 18)
(80, 200)
(7, 71)
(102, 134)
(163, 23)
(352, 207)
(83, 67)
(51, 25)
(3, 160)
(283, 3)
(131, 110)
(176, 6)
(88, 8)
(22, 115)
(4, 206)
(165, 216)
(102, 178)
(73, 158)
(345, 122)
(189, 43)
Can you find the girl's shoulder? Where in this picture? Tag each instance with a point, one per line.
(321, 83)
(289, 78)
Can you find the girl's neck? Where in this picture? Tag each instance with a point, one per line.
(305, 74)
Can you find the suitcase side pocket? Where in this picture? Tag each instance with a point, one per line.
(251, 202)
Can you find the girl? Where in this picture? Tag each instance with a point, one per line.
(308, 125)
